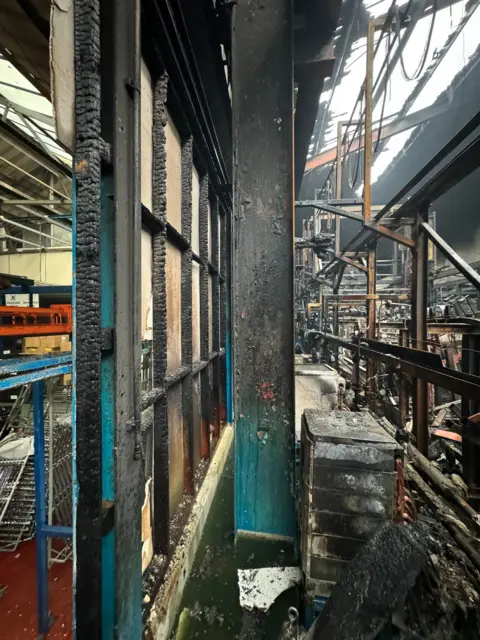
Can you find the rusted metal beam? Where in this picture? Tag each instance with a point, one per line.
(351, 262)
(392, 235)
(436, 328)
(324, 206)
(404, 385)
(338, 188)
(450, 379)
(465, 269)
(444, 152)
(397, 126)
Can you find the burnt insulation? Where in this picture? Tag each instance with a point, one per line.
(161, 493)
(204, 328)
(88, 336)
(186, 298)
(374, 583)
(407, 582)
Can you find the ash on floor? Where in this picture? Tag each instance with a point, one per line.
(210, 608)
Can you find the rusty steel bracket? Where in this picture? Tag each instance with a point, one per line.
(351, 262)
(392, 235)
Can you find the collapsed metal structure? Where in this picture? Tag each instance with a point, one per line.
(404, 220)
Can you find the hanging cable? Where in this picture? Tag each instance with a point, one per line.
(426, 49)
(387, 79)
(357, 157)
(387, 24)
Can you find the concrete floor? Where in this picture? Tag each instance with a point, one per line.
(210, 607)
(18, 606)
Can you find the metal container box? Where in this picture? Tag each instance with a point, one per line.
(348, 490)
(316, 387)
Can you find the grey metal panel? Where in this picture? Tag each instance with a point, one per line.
(356, 456)
(352, 503)
(328, 569)
(366, 483)
(321, 588)
(346, 427)
(335, 547)
(340, 524)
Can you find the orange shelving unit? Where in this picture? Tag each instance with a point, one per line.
(31, 321)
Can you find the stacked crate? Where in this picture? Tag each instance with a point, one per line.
(348, 491)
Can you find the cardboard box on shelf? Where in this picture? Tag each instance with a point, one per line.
(46, 344)
(31, 343)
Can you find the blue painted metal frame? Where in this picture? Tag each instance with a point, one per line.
(37, 369)
(107, 301)
(43, 289)
(40, 508)
(35, 376)
(33, 363)
(42, 529)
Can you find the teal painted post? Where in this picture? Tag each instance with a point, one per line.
(107, 302)
(264, 266)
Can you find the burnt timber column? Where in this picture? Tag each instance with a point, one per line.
(263, 286)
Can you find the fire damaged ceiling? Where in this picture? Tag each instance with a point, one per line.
(314, 60)
(24, 35)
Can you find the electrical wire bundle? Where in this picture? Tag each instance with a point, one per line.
(392, 19)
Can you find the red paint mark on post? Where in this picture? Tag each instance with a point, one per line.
(267, 392)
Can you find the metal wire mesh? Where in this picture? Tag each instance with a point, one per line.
(17, 480)
(17, 523)
(62, 487)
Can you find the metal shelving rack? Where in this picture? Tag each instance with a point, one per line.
(17, 373)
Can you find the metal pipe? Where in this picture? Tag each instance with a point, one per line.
(371, 382)
(45, 216)
(40, 233)
(338, 190)
(465, 269)
(38, 250)
(36, 202)
(40, 507)
(6, 235)
(50, 464)
(403, 397)
(50, 164)
(419, 330)
(34, 178)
